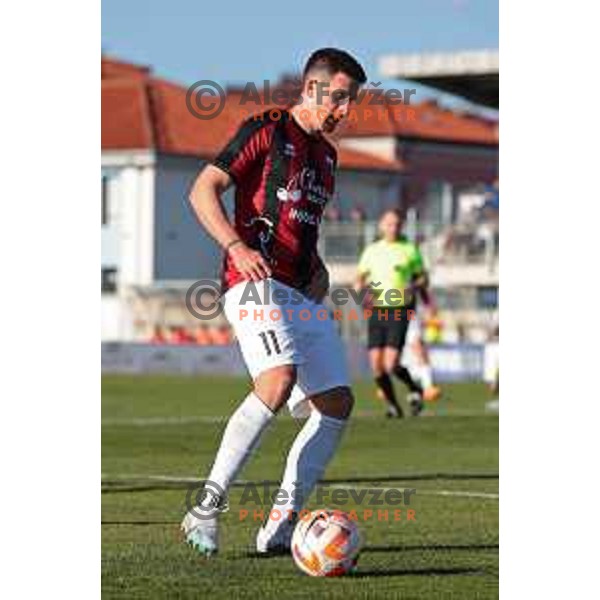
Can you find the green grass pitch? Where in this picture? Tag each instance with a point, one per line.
(157, 432)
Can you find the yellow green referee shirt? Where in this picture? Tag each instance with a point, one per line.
(390, 267)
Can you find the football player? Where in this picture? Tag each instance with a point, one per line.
(282, 167)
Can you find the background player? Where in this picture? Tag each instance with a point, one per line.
(391, 264)
(415, 356)
(283, 170)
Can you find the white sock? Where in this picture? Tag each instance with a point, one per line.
(240, 438)
(307, 460)
(425, 375)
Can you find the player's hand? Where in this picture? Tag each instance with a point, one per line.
(429, 310)
(368, 299)
(250, 263)
(318, 287)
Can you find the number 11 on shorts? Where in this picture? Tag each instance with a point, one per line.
(271, 345)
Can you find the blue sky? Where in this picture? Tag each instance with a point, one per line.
(184, 42)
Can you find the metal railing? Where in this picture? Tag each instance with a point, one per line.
(460, 244)
(344, 242)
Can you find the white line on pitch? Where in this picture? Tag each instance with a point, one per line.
(425, 492)
(155, 421)
(460, 494)
(451, 493)
(339, 485)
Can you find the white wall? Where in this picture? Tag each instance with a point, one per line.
(384, 147)
(116, 322)
(128, 239)
(137, 224)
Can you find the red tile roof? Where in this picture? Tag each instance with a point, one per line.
(425, 120)
(112, 68)
(140, 111)
(126, 119)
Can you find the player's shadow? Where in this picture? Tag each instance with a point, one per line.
(383, 549)
(431, 547)
(426, 571)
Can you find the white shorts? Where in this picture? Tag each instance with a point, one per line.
(276, 325)
(491, 362)
(413, 335)
(415, 330)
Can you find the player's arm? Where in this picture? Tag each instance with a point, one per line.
(205, 198)
(206, 201)
(421, 284)
(420, 279)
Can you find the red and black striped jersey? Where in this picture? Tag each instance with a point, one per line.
(283, 178)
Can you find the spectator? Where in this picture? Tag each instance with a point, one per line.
(157, 336)
(357, 214)
(487, 232)
(202, 336)
(492, 197)
(461, 333)
(178, 335)
(220, 335)
(332, 214)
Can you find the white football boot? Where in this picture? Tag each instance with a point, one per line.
(275, 540)
(200, 526)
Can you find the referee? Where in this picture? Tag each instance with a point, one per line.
(392, 268)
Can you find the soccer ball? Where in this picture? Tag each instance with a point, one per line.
(326, 543)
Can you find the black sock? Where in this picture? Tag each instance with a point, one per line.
(384, 383)
(405, 377)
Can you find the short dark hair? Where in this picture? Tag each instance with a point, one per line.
(334, 60)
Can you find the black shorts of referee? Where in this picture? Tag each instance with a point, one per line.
(387, 326)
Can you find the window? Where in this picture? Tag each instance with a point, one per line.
(109, 280)
(487, 297)
(448, 298)
(105, 205)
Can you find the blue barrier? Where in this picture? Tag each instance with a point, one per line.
(457, 362)
(450, 362)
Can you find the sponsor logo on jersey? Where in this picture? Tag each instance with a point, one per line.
(305, 182)
(288, 195)
(304, 216)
